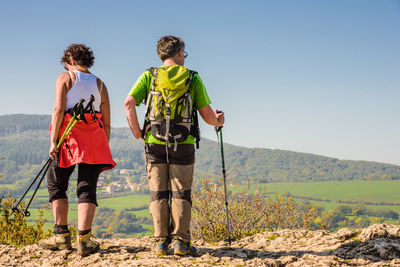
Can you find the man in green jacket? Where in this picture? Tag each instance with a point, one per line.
(169, 149)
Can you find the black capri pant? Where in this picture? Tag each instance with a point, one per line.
(88, 174)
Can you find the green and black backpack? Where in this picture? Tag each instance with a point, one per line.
(170, 110)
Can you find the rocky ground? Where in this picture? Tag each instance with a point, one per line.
(377, 245)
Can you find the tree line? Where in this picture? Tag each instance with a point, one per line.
(25, 148)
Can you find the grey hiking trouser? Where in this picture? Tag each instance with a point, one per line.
(170, 189)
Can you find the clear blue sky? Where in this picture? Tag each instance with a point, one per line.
(311, 76)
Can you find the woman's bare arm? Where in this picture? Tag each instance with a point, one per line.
(62, 85)
(105, 109)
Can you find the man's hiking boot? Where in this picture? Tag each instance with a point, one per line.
(182, 248)
(87, 244)
(160, 246)
(57, 242)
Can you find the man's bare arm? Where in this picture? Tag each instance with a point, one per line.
(212, 117)
(131, 115)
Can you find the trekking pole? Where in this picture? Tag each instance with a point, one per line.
(72, 122)
(26, 212)
(74, 119)
(218, 130)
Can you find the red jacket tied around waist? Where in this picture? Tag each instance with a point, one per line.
(86, 143)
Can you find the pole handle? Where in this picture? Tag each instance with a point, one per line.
(218, 128)
(89, 104)
(79, 105)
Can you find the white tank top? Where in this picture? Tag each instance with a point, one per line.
(85, 85)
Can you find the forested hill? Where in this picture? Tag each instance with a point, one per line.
(24, 145)
(17, 123)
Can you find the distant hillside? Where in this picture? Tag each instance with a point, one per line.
(24, 145)
(269, 165)
(17, 123)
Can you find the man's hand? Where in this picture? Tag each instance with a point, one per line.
(212, 117)
(220, 117)
(145, 132)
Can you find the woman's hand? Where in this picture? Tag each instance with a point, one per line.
(53, 150)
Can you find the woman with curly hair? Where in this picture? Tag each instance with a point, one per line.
(85, 146)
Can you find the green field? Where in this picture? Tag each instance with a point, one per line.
(42, 193)
(365, 191)
(142, 213)
(373, 191)
(124, 202)
(9, 186)
(117, 203)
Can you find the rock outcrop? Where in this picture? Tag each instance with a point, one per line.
(377, 245)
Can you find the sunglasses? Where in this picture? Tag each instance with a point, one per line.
(185, 54)
(65, 67)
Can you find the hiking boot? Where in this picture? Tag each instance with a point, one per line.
(182, 248)
(87, 244)
(57, 242)
(160, 246)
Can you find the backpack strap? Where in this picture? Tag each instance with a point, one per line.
(195, 131)
(191, 74)
(188, 113)
(153, 72)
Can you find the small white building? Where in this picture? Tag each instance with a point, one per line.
(126, 171)
(112, 188)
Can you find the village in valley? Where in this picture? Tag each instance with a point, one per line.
(125, 181)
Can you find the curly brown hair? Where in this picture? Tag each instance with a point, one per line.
(168, 46)
(82, 54)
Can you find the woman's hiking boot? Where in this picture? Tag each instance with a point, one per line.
(160, 246)
(182, 248)
(58, 241)
(87, 245)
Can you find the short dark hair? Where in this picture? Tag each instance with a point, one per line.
(168, 46)
(82, 54)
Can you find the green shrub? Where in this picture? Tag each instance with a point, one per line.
(248, 214)
(15, 230)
